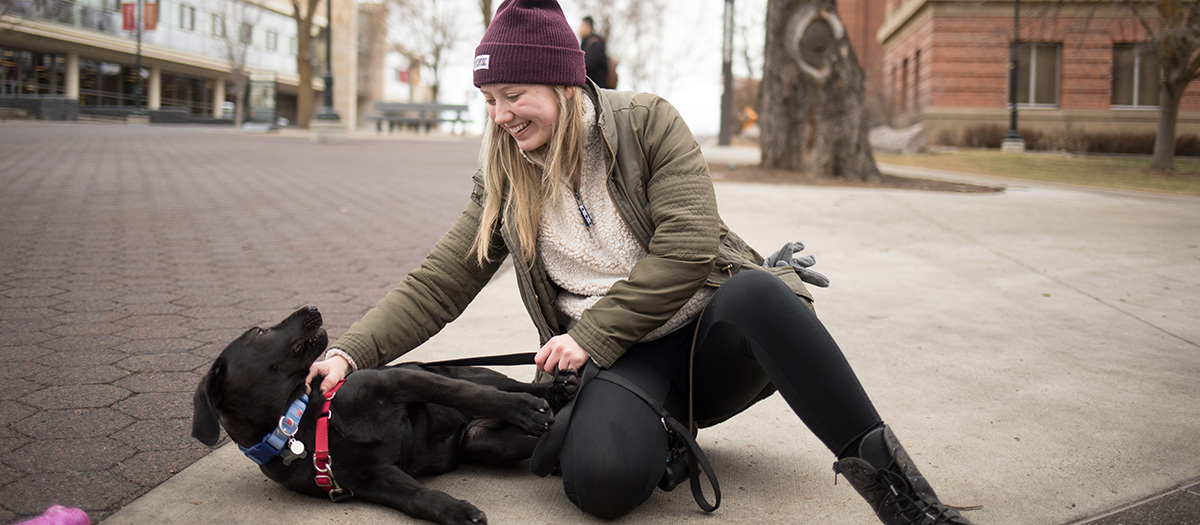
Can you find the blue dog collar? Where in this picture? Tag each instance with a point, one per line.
(273, 443)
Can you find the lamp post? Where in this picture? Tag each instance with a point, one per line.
(327, 112)
(1013, 141)
(725, 136)
(137, 91)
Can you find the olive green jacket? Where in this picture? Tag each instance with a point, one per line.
(661, 186)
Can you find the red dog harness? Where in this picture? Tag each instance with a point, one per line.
(321, 461)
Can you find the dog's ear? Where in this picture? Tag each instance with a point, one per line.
(205, 425)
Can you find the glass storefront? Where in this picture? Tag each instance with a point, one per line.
(25, 73)
(101, 84)
(186, 92)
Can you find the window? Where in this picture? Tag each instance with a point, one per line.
(218, 25)
(1135, 77)
(916, 89)
(895, 86)
(1037, 74)
(246, 35)
(272, 40)
(187, 17)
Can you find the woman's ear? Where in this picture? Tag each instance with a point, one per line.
(571, 92)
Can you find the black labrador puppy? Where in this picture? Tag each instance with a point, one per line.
(388, 424)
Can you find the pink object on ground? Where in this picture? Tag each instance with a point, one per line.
(60, 515)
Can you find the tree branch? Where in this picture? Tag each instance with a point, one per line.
(1134, 9)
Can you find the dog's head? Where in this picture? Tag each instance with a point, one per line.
(255, 377)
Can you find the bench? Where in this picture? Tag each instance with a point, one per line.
(416, 116)
(13, 113)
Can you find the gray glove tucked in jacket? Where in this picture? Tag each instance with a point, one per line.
(786, 256)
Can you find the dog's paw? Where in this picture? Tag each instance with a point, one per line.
(534, 415)
(563, 389)
(465, 514)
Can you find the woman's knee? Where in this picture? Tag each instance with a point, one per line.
(614, 453)
(610, 487)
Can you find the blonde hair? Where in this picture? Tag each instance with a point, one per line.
(515, 187)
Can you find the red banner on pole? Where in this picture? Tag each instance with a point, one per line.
(129, 16)
(149, 16)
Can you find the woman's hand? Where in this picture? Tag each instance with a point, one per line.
(561, 353)
(334, 368)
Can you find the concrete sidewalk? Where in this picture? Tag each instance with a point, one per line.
(1037, 351)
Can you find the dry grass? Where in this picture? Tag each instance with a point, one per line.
(1119, 172)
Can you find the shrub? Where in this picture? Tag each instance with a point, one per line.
(991, 135)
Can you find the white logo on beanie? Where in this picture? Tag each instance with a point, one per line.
(481, 62)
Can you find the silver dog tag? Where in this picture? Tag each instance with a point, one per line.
(292, 451)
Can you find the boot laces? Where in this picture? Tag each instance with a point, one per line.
(900, 494)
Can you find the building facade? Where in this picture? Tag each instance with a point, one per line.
(862, 19)
(1082, 67)
(79, 49)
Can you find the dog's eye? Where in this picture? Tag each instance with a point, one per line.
(261, 331)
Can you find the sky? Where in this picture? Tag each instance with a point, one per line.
(691, 47)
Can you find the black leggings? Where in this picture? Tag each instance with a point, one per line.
(754, 331)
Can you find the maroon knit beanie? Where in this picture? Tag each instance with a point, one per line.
(529, 42)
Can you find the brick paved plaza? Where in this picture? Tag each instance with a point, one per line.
(130, 255)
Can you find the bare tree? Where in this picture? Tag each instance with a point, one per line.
(1173, 32)
(303, 12)
(426, 30)
(1172, 36)
(813, 112)
(632, 31)
(748, 23)
(485, 8)
(238, 19)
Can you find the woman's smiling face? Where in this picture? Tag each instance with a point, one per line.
(525, 111)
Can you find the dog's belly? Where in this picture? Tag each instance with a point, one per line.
(434, 441)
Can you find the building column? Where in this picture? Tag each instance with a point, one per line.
(345, 61)
(72, 80)
(218, 97)
(154, 96)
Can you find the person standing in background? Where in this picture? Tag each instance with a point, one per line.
(594, 55)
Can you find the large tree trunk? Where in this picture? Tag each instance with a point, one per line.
(304, 92)
(813, 111)
(240, 82)
(1164, 141)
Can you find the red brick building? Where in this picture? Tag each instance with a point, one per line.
(862, 19)
(945, 65)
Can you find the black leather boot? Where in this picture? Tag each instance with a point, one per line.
(886, 477)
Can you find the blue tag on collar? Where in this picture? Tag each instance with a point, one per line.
(273, 442)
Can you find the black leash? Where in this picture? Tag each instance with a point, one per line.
(546, 452)
(490, 360)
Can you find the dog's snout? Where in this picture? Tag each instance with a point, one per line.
(312, 308)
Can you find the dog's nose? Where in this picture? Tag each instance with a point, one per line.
(310, 308)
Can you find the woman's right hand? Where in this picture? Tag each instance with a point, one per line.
(334, 368)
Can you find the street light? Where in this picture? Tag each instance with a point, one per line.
(327, 112)
(137, 89)
(1013, 141)
(724, 137)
